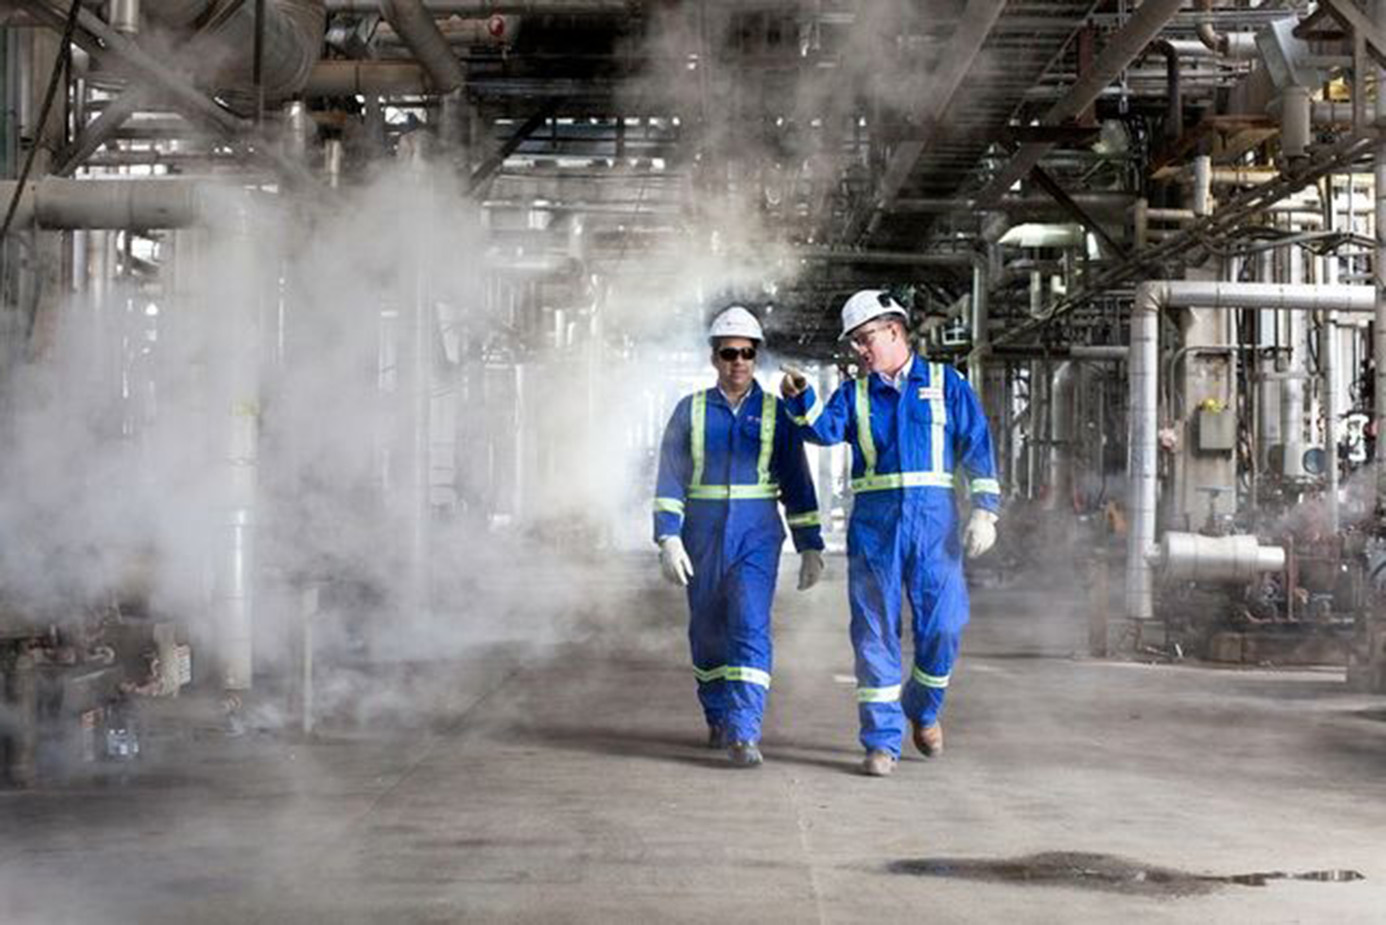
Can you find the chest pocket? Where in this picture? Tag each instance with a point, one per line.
(930, 409)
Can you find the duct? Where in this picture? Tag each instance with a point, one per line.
(1294, 122)
(61, 204)
(366, 78)
(1063, 434)
(1043, 235)
(476, 31)
(292, 34)
(1237, 558)
(1121, 49)
(417, 28)
(1174, 100)
(1151, 298)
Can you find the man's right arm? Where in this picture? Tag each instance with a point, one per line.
(823, 423)
(675, 469)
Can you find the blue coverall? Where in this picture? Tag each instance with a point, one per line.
(720, 475)
(907, 446)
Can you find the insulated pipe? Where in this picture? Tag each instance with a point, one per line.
(1239, 46)
(1239, 558)
(1328, 368)
(1202, 193)
(419, 31)
(61, 204)
(1151, 298)
(980, 320)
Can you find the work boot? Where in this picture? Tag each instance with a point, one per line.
(716, 735)
(745, 755)
(928, 739)
(878, 763)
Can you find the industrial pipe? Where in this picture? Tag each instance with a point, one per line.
(1174, 100)
(1063, 432)
(489, 7)
(62, 204)
(1194, 557)
(419, 31)
(1238, 46)
(1151, 298)
(366, 78)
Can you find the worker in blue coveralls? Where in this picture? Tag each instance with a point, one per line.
(730, 455)
(917, 430)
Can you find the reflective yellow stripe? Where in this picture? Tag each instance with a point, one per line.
(733, 492)
(929, 680)
(986, 486)
(938, 415)
(878, 694)
(748, 675)
(669, 506)
(865, 441)
(710, 674)
(767, 438)
(811, 519)
(697, 435)
(811, 416)
(890, 480)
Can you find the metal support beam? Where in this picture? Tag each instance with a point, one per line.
(962, 50)
(1125, 45)
(101, 129)
(482, 175)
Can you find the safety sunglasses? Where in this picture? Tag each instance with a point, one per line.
(864, 338)
(731, 353)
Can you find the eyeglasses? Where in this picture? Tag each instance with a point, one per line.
(863, 338)
(731, 353)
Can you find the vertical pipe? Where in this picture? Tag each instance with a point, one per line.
(1143, 362)
(24, 741)
(1062, 434)
(1202, 185)
(980, 341)
(1328, 368)
(1292, 387)
(827, 384)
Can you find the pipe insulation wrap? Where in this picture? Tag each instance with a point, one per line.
(1194, 557)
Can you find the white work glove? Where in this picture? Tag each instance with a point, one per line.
(673, 559)
(794, 383)
(980, 533)
(810, 568)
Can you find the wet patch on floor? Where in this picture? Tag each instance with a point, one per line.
(1099, 872)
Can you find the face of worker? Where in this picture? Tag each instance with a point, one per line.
(881, 345)
(734, 358)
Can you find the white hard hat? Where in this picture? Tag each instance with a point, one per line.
(735, 322)
(868, 304)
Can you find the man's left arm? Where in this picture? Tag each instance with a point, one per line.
(975, 461)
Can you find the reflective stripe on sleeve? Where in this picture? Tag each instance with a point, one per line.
(811, 519)
(929, 680)
(710, 674)
(810, 417)
(668, 506)
(986, 487)
(748, 675)
(878, 694)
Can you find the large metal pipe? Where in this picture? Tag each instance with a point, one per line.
(61, 204)
(1151, 298)
(1174, 98)
(292, 34)
(1239, 46)
(419, 31)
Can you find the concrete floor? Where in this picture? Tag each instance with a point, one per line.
(570, 785)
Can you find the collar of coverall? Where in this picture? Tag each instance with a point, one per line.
(718, 398)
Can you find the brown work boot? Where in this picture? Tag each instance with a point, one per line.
(928, 739)
(878, 763)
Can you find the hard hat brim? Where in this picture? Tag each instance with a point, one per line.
(894, 310)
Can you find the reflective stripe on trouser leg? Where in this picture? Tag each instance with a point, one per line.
(938, 597)
(873, 589)
(748, 588)
(707, 640)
